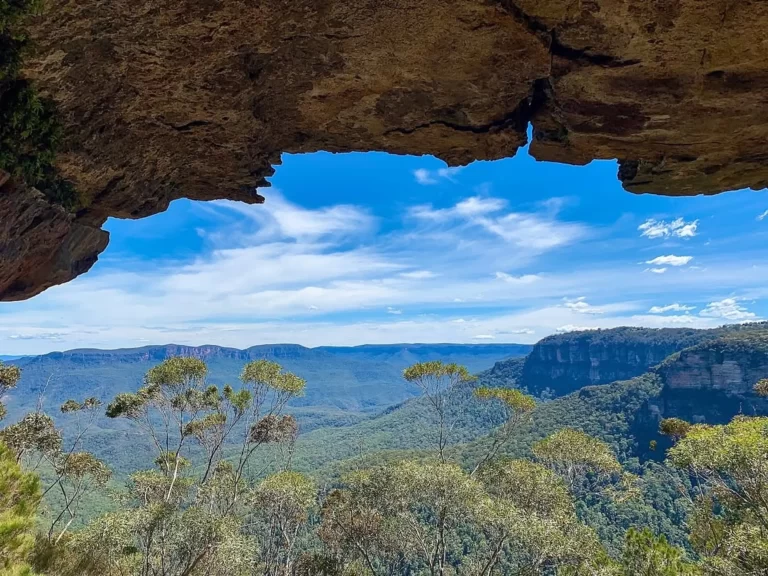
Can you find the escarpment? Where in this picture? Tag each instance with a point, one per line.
(166, 99)
(564, 363)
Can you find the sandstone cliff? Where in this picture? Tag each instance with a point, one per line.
(713, 381)
(563, 363)
(163, 99)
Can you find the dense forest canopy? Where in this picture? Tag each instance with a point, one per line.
(472, 477)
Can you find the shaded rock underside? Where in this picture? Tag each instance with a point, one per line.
(163, 99)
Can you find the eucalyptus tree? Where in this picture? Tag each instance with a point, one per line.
(439, 384)
(729, 467)
(402, 515)
(71, 474)
(516, 407)
(576, 456)
(188, 516)
(9, 379)
(281, 506)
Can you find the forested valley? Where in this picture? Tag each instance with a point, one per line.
(611, 452)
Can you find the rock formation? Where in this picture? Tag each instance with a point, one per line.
(42, 245)
(163, 99)
(564, 363)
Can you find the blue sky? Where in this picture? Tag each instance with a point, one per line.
(373, 248)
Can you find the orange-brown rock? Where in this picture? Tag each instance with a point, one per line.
(42, 245)
(164, 99)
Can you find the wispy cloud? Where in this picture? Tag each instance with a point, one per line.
(762, 216)
(678, 228)
(656, 270)
(671, 308)
(524, 279)
(418, 275)
(428, 177)
(538, 231)
(670, 260)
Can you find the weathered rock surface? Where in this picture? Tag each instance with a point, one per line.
(711, 382)
(564, 363)
(42, 245)
(165, 99)
(729, 365)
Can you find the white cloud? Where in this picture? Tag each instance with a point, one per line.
(282, 218)
(573, 328)
(38, 335)
(581, 306)
(428, 177)
(762, 216)
(670, 260)
(484, 337)
(470, 207)
(671, 308)
(656, 270)
(679, 228)
(536, 231)
(524, 279)
(395, 311)
(728, 309)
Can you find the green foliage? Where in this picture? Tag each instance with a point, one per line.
(9, 378)
(511, 397)
(648, 555)
(36, 433)
(263, 373)
(675, 428)
(727, 463)
(177, 373)
(434, 518)
(19, 498)
(449, 374)
(29, 132)
(761, 387)
(574, 453)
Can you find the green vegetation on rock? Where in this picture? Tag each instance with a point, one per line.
(30, 134)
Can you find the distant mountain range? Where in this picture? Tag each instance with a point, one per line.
(359, 379)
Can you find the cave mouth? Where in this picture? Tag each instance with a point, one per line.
(379, 248)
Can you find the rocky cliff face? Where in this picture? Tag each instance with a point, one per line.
(713, 381)
(561, 364)
(729, 365)
(163, 99)
(708, 383)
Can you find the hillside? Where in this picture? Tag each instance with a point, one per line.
(718, 374)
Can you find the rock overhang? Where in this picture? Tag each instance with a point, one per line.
(165, 99)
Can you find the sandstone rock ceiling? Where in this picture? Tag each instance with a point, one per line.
(164, 99)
